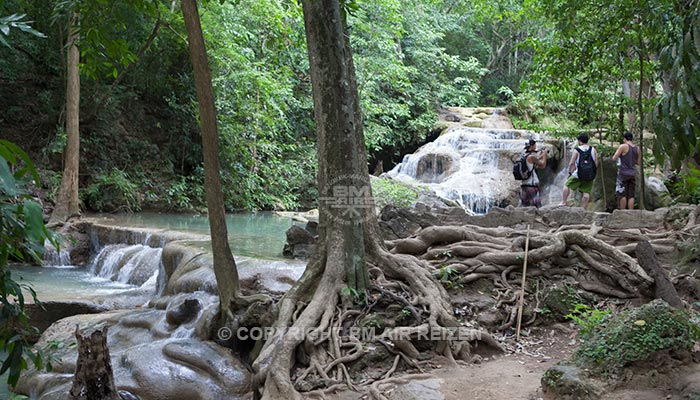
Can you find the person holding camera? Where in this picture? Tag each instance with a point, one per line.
(530, 187)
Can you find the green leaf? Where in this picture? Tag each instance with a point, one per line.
(7, 180)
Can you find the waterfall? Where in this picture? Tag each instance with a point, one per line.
(132, 264)
(554, 191)
(55, 258)
(471, 166)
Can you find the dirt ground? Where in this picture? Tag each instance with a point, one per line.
(514, 375)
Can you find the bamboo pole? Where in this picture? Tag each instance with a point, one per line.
(522, 286)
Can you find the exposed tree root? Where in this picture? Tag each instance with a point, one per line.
(314, 327)
(313, 350)
(582, 252)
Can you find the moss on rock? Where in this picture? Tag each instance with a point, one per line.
(638, 334)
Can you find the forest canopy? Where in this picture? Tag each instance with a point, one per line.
(561, 65)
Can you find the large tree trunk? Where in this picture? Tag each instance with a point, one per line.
(93, 379)
(224, 264)
(345, 205)
(349, 237)
(67, 201)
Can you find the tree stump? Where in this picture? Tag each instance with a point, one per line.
(664, 289)
(93, 378)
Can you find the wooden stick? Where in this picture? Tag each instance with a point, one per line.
(522, 286)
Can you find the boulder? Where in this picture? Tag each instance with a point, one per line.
(299, 235)
(563, 215)
(630, 219)
(657, 195)
(689, 385)
(603, 194)
(472, 122)
(436, 167)
(183, 311)
(301, 242)
(151, 359)
(43, 315)
(568, 382)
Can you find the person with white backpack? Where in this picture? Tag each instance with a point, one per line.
(582, 170)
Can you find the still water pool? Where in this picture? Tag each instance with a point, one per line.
(259, 235)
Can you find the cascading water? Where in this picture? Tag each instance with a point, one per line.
(136, 264)
(554, 191)
(55, 258)
(471, 166)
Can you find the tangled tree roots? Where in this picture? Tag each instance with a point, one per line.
(315, 327)
(313, 347)
(596, 259)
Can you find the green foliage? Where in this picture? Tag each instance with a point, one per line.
(58, 144)
(112, 191)
(359, 298)
(50, 182)
(677, 115)
(410, 57)
(105, 49)
(685, 188)
(587, 318)
(388, 191)
(185, 194)
(636, 335)
(22, 237)
(265, 112)
(403, 72)
(590, 48)
(14, 21)
(528, 111)
(449, 277)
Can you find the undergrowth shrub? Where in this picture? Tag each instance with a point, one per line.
(113, 191)
(387, 191)
(636, 335)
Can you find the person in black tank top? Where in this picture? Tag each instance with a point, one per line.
(629, 158)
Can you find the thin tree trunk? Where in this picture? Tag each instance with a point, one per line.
(67, 201)
(640, 106)
(224, 263)
(100, 102)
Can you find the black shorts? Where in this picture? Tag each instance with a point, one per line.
(625, 187)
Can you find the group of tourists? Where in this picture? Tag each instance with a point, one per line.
(582, 170)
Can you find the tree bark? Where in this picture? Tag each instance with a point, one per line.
(93, 379)
(67, 200)
(349, 237)
(224, 263)
(345, 204)
(642, 118)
